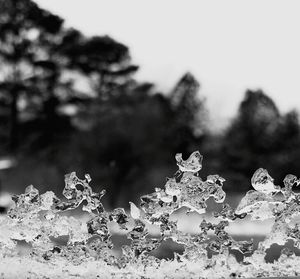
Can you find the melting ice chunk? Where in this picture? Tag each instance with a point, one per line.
(263, 182)
(192, 164)
(172, 187)
(257, 204)
(289, 181)
(134, 211)
(119, 216)
(47, 200)
(31, 193)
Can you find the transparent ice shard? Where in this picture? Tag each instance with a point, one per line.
(256, 204)
(153, 206)
(99, 226)
(134, 211)
(119, 216)
(228, 213)
(260, 203)
(289, 181)
(77, 196)
(192, 164)
(47, 200)
(262, 182)
(189, 189)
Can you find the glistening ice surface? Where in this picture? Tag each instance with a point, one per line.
(37, 219)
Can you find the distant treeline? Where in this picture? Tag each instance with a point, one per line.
(69, 102)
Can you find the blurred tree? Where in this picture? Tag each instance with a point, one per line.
(285, 158)
(139, 129)
(23, 26)
(251, 134)
(289, 131)
(111, 116)
(256, 138)
(104, 60)
(55, 87)
(127, 136)
(117, 130)
(189, 115)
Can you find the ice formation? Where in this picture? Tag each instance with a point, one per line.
(88, 251)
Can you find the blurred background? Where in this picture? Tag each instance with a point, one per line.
(117, 88)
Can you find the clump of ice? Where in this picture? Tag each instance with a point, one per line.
(265, 203)
(88, 252)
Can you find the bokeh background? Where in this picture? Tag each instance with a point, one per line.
(74, 97)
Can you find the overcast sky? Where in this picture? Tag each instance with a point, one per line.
(228, 45)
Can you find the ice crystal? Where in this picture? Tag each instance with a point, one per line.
(192, 164)
(36, 219)
(265, 204)
(263, 182)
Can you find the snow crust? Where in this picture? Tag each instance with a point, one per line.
(37, 219)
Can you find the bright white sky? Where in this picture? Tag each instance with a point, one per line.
(228, 45)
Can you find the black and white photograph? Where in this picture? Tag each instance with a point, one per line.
(150, 139)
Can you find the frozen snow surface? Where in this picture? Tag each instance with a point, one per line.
(218, 267)
(37, 220)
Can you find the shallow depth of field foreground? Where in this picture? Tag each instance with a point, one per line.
(39, 240)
